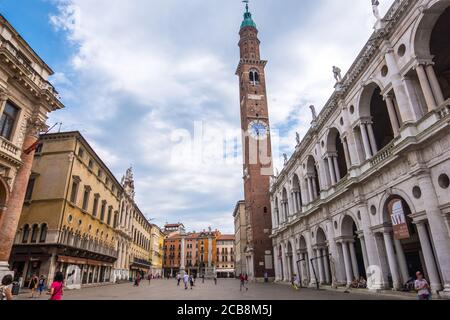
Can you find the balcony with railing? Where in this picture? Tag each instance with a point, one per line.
(9, 149)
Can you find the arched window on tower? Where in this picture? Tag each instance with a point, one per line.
(254, 77)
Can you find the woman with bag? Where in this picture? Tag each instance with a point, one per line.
(422, 287)
(57, 287)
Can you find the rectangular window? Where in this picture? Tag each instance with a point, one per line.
(8, 120)
(30, 187)
(80, 152)
(95, 207)
(39, 149)
(74, 193)
(87, 193)
(102, 212)
(109, 215)
(91, 164)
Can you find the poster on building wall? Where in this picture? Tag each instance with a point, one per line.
(398, 217)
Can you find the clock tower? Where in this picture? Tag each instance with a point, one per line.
(258, 167)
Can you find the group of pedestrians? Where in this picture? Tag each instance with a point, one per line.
(55, 291)
(37, 285)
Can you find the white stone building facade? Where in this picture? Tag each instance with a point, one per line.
(382, 141)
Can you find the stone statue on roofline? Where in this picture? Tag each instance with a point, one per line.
(376, 9)
(337, 74)
(313, 111)
(297, 137)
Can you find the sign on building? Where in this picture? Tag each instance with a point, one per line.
(398, 217)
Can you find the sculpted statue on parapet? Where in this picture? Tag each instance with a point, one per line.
(297, 137)
(285, 158)
(375, 9)
(313, 111)
(337, 74)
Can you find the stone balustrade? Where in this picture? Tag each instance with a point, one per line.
(383, 154)
(9, 148)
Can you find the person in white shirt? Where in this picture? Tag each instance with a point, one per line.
(186, 281)
(422, 287)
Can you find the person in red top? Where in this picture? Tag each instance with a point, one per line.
(242, 279)
(57, 287)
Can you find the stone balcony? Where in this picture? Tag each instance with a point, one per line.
(10, 151)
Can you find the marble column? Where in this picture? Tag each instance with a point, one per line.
(312, 277)
(284, 262)
(436, 221)
(347, 263)
(355, 268)
(426, 88)
(331, 169)
(326, 266)
(364, 251)
(320, 266)
(373, 142)
(336, 169)
(365, 137)
(348, 159)
(392, 259)
(401, 261)
(435, 86)
(335, 256)
(428, 256)
(275, 258)
(392, 115)
(310, 190)
(183, 258)
(11, 215)
(314, 184)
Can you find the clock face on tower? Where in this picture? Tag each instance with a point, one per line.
(258, 130)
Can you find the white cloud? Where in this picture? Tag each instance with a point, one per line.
(142, 69)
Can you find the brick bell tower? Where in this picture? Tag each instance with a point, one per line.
(258, 167)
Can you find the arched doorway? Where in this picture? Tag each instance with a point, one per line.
(407, 246)
(354, 265)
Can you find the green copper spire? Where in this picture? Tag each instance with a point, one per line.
(248, 21)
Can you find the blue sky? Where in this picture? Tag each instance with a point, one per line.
(138, 76)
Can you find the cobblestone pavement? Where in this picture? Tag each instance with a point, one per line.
(225, 290)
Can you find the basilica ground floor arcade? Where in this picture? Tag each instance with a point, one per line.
(384, 233)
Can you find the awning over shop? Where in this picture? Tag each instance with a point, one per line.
(74, 260)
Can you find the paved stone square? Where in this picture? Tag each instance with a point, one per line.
(226, 289)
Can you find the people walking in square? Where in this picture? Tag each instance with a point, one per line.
(215, 279)
(191, 281)
(266, 277)
(41, 285)
(149, 277)
(5, 288)
(422, 287)
(33, 285)
(57, 287)
(203, 278)
(178, 279)
(186, 281)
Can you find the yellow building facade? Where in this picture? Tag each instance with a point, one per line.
(156, 250)
(69, 215)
